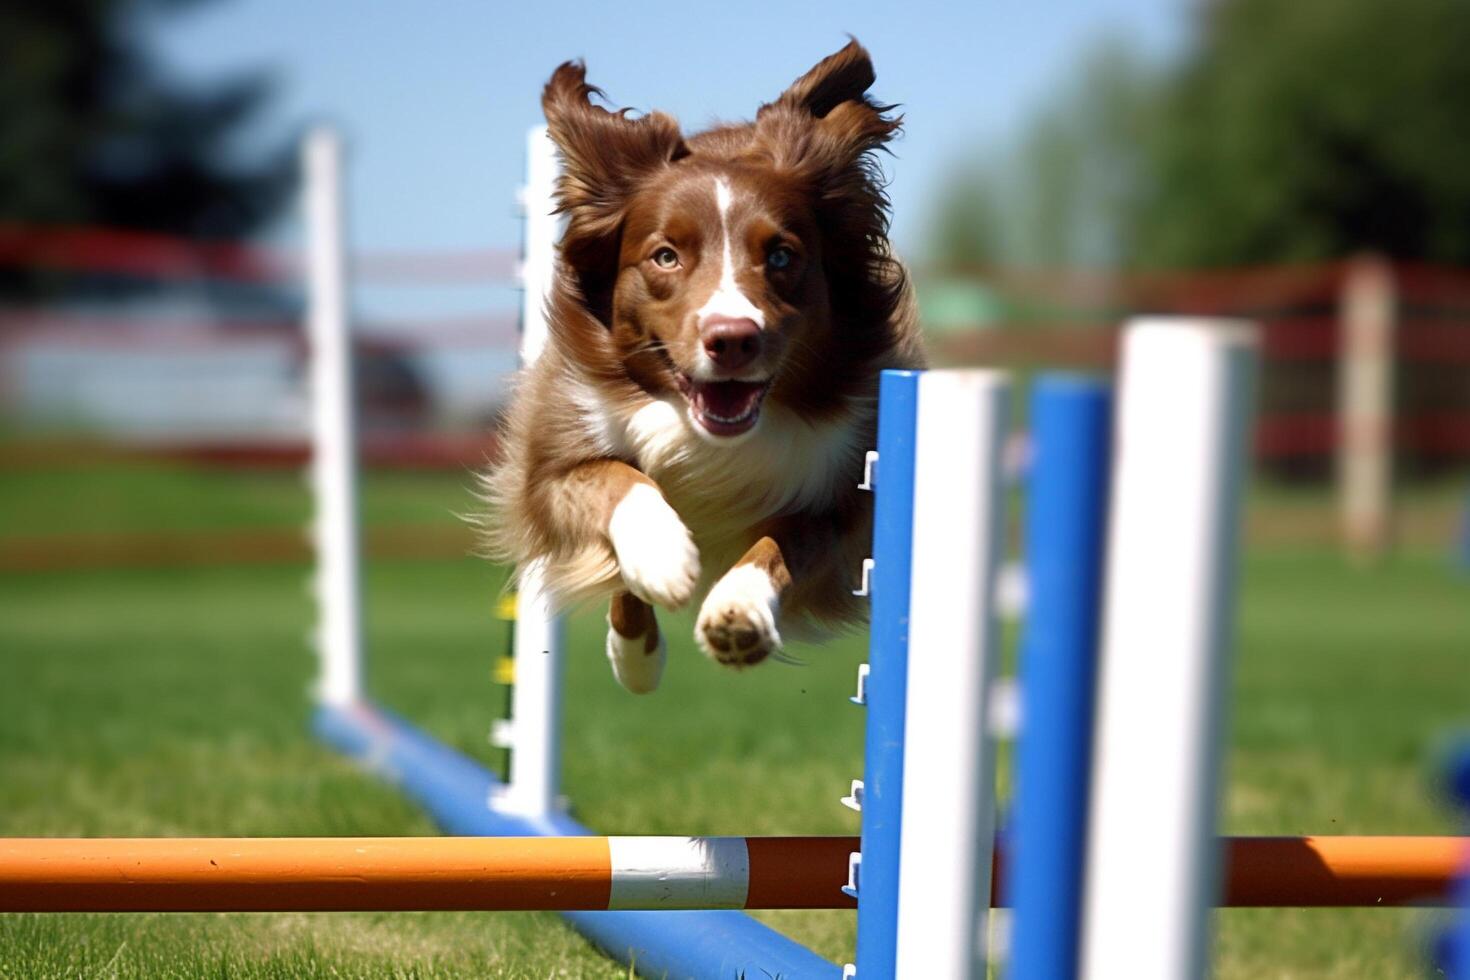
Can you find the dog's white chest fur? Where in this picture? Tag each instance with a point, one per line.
(722, 488)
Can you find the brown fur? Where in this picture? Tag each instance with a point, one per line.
(632, 618)
(622, 336)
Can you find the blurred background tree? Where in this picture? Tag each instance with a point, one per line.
(1287, 132)
(1069, 191)
(94, 131)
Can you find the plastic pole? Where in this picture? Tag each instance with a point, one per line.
(948, 831)
(886, 685)
(1183, 422)
(333, 435)
(1066, 509)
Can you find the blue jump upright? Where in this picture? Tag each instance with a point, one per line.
(887, 685)
(1065, 534)
(1453, 950)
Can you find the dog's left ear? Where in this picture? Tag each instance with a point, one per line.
(826, 122)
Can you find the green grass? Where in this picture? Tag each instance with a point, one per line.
(174, 702)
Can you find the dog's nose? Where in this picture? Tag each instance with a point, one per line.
(731, 343)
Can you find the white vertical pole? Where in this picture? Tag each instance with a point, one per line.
(542, 228)
(1181, 435)
(535, 724)
(334, 447)
(946, 841)
(1365, 408)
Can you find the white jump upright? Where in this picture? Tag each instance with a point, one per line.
(533, 734)
(542, 228)
(333, 434)
(1187, 388)
(947, 835)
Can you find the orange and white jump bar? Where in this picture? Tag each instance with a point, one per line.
(299, 874)
(296, 874)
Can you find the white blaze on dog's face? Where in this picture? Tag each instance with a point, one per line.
(720, 270)
(734, 268)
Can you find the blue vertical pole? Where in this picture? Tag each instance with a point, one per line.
(1454, 947)
(1463, 556)
(1065, 533)
(887, 686)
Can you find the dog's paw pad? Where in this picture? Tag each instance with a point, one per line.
(737, 624)
(655, 551)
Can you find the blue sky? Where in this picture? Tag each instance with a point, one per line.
(435, 96)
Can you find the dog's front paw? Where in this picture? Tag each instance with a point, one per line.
(737, 623)
(656, 554)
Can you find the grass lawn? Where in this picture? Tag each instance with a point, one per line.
(173, 701)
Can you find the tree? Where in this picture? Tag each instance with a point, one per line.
(1067, 193)
(969, 220)
(1315, 129)
(93, 131)
(1286, 132)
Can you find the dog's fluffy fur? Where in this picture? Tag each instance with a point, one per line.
(645, 461)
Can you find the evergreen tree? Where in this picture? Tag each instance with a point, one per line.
(1315, 129)
(1287, 132)
(94, 132)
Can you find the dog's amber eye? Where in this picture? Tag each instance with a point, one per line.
(666, 258)
(780, 257)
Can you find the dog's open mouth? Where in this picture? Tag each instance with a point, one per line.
(725, 408)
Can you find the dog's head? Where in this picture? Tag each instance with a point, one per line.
(742, 262)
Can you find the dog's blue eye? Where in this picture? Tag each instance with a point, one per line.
(666, 258)
(780, 257)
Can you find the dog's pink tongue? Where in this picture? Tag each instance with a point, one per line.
(729, 399)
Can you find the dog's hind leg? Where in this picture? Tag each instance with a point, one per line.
(634, 647)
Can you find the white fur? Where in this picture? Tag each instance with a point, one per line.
(636, 669)
(656, 554)
(596, 421)
(723, 489)
(745, 595)
(657, 430)
(727, 300)
(784, 464)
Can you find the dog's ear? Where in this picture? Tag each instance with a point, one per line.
(842, 77)
(604, 153)
(826, 123)
(604, 156)
(825, 131)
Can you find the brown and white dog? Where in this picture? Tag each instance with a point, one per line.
(695, 427)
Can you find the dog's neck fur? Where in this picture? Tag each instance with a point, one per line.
(785, 465)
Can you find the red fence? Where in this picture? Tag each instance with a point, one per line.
(1031, 318)
(1071, 319)
(115, 304)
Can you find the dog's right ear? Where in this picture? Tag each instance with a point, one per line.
(604, 154)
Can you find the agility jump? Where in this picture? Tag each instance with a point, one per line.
(1132, 803)
(534, 874)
